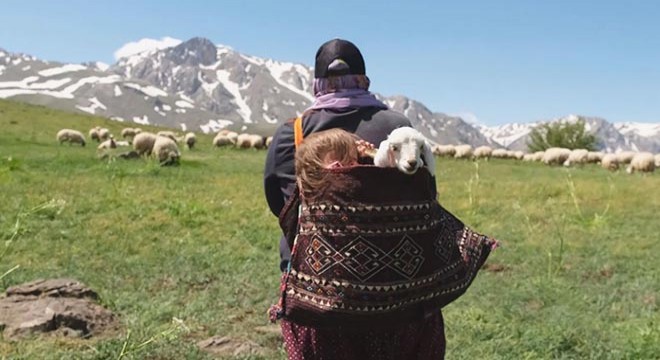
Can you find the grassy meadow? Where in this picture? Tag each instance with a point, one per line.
(577, 275)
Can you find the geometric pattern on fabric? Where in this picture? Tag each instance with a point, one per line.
(363, 259)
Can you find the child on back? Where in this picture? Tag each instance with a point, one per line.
(324, 150)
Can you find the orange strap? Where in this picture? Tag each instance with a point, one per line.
(297, 131)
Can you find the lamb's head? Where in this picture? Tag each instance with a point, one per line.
(404, 149)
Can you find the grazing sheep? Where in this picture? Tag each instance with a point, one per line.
(483, 152)
(104, 134)
(129, 132)
(108, 144)
(518, 155)
(610, 162)
(499, 153)
(222, 140)
(190, 139)
(577, 156)
(463, 152)
(169, 134)
(538, 156)
(94, 133)
(404, 149)
(269, 140)
(444, 150)
(166, 150)
(257, 142)
(528, 157)
(144, 142)
(243, 141)
(594, 157)
(657, 160)
(625, 157)
(70, 136)
(644, 162)
(556, 156)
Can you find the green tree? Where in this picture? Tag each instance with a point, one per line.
(561, 134)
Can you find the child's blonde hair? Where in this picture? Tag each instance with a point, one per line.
(311, 157)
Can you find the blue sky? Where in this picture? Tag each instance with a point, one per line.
(502, 61)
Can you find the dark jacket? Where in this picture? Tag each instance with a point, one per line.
(370, 124)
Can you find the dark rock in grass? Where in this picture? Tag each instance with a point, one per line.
(64, 307)
(227, 346)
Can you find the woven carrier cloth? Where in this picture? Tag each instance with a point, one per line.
(375, 248)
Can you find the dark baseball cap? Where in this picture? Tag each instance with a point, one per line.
(338, 57)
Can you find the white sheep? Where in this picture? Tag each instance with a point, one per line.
(657, 160)
(463, 152)
(190, 139)
(444, 150)
(244, 141)
(499, 153)
(94, 133)
(269, 140)
(556, 156)
(609, 162)
(129, 132)
(625, 157)
(483, 152)
(644, 162)
(257, 142)
(577, 156)
(108, 144)
(70, 136)
(104, 134)
(594, 157)
(170, 134)
(222, 140)
(144, 142)
(518, 155)
(404, 149)
(166, 150)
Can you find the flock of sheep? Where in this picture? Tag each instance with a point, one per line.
(164, 146)
(635, 161)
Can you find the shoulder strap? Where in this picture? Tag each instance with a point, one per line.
(297, 131)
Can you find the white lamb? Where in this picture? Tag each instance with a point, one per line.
(70, 136)
(404, 149)
(166, 150)
(644, 162)
(499, 153)
(257, 142)
(244, 141)
(129, 132)
(144, 142)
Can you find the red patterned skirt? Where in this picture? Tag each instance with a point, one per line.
(421, 340)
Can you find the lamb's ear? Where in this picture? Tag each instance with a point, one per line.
(382, 157)
(429, 158)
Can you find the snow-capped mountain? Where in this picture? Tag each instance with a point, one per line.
(610, 137)
(198, 85)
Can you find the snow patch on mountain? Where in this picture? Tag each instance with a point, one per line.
(144, 45)
(147, 90)
(62, 70)
(640, 129)
(233, 88)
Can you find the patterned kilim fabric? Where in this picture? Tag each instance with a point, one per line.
(374, 247)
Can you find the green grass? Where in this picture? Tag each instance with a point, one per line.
(197, 242)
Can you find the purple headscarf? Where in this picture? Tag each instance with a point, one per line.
(344, 92)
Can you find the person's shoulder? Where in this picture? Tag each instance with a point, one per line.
(393, 117)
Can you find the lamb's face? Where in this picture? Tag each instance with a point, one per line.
(406, 146)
